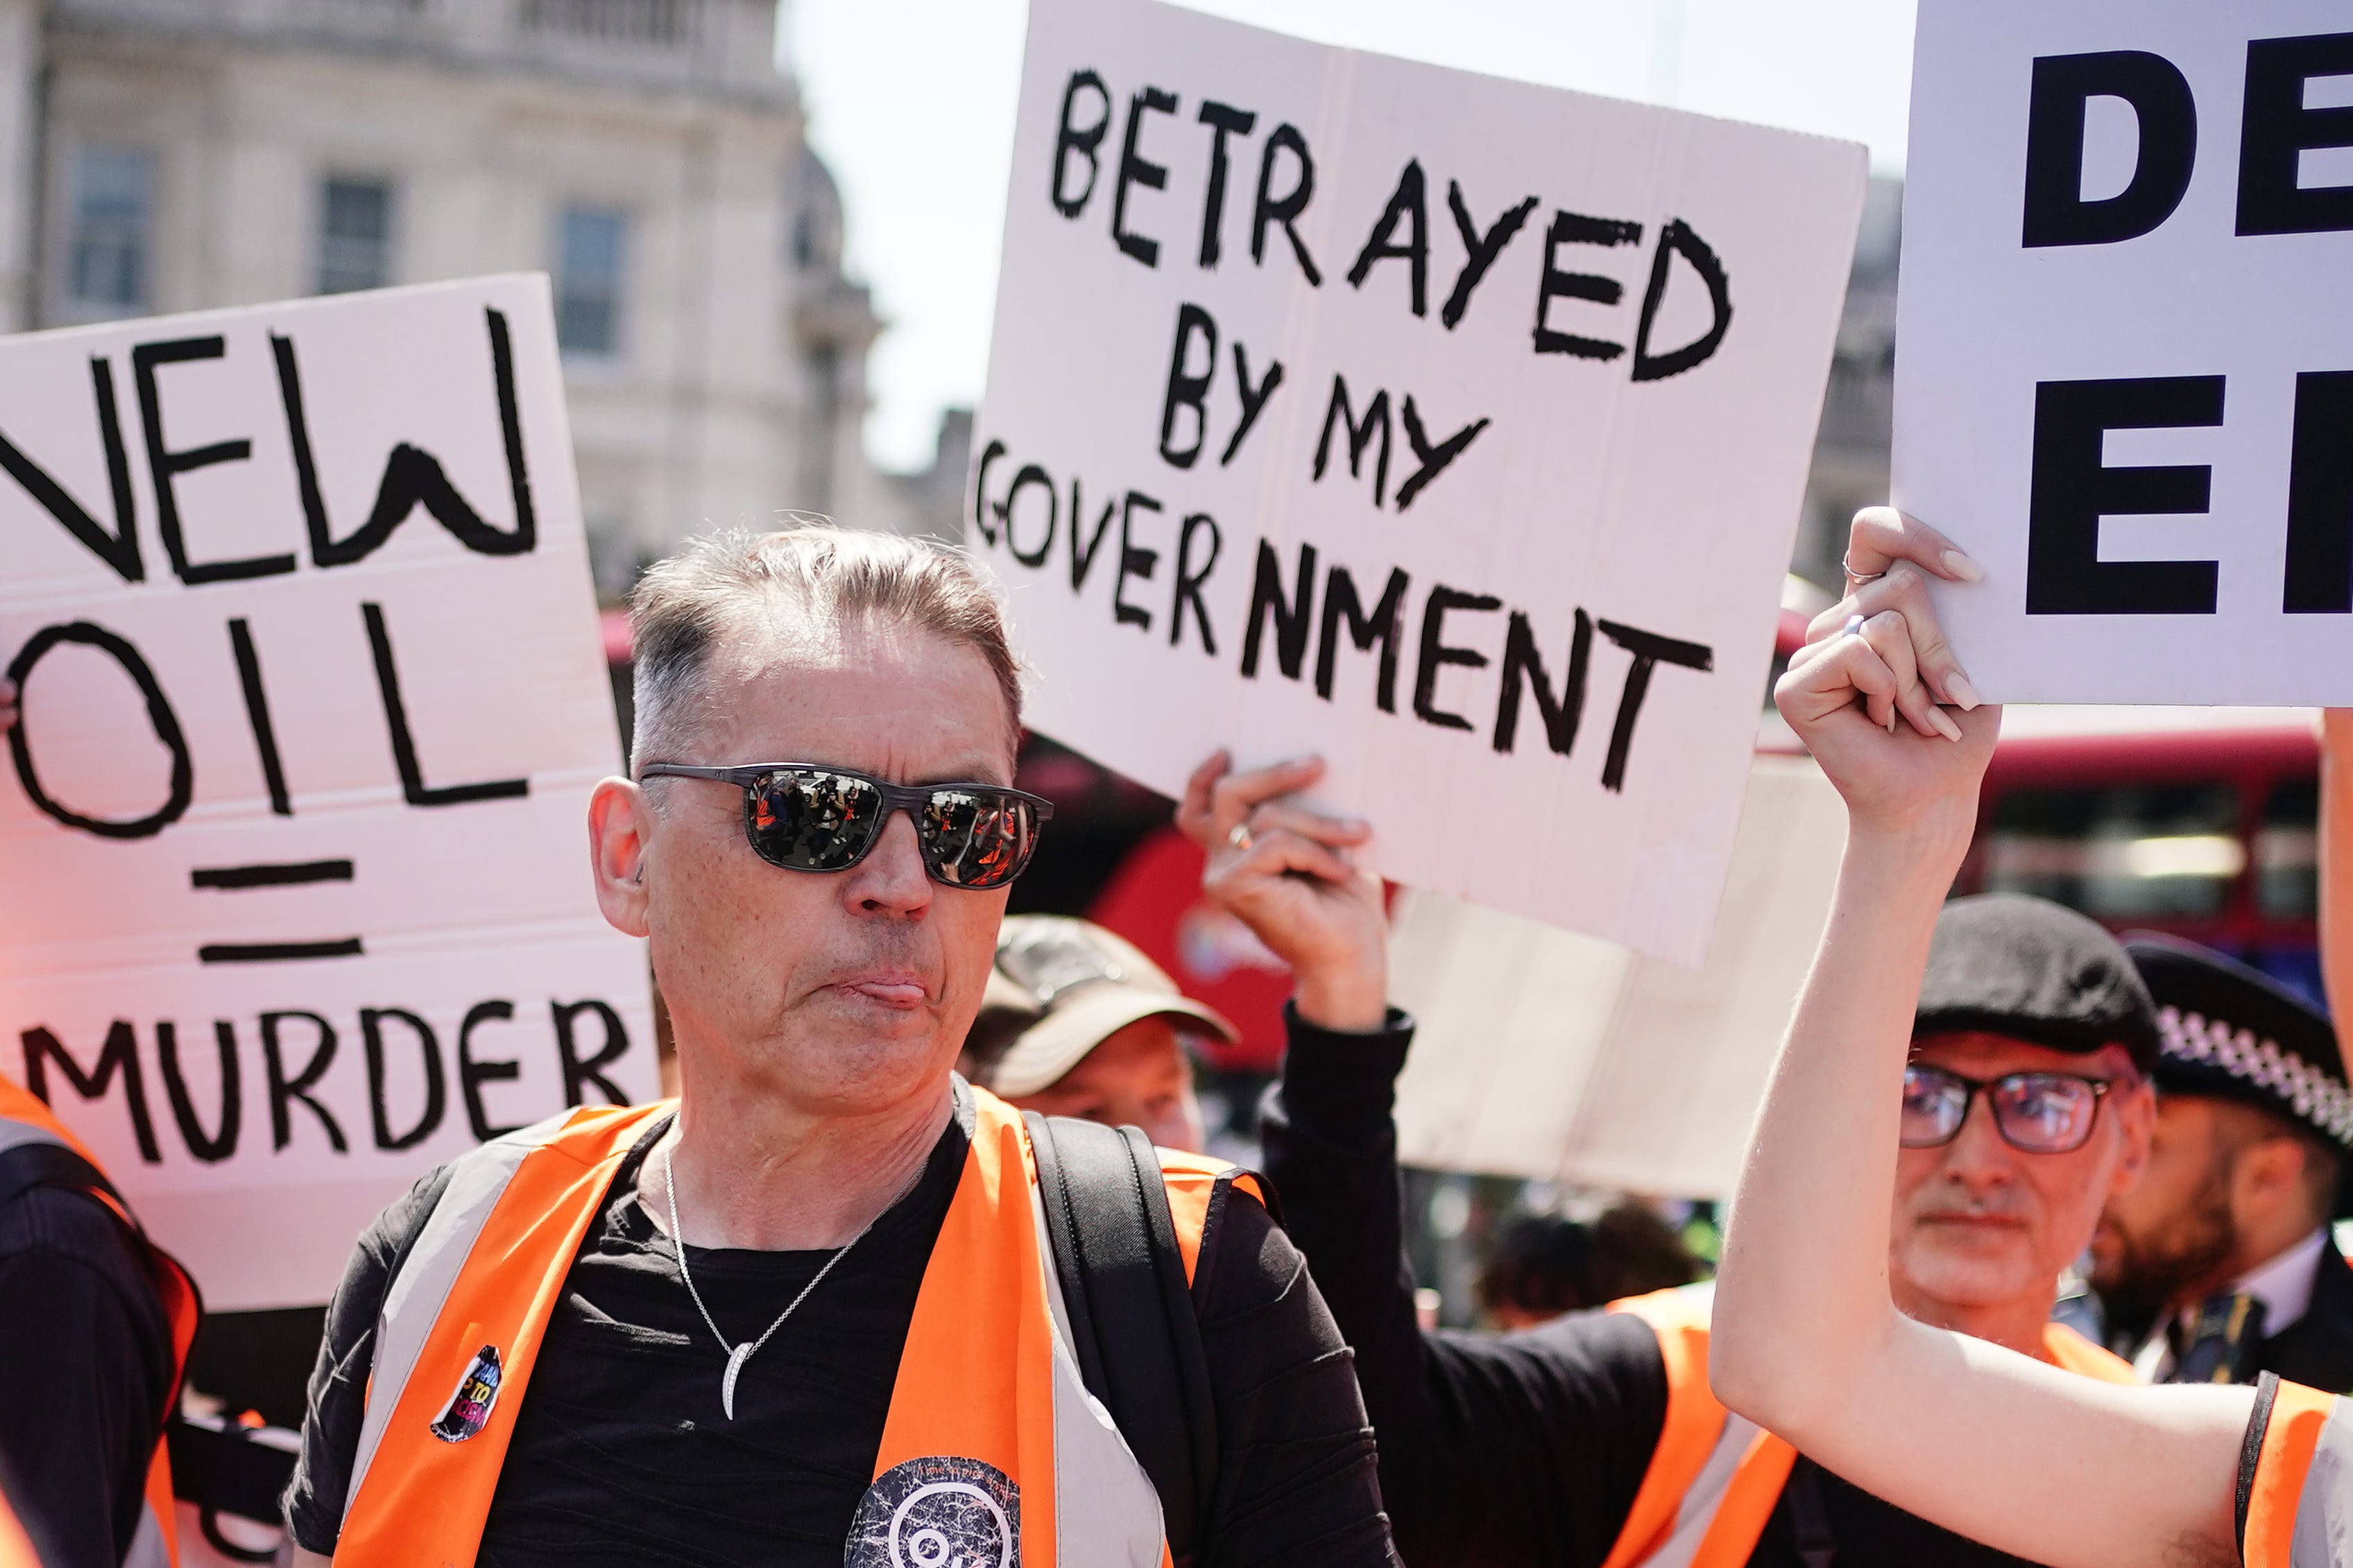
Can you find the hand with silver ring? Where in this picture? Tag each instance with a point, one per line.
(1289, 873)
(1891, 562)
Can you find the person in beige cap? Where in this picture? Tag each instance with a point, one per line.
(1078, 1022)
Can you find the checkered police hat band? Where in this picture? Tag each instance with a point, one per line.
(2315, 1096)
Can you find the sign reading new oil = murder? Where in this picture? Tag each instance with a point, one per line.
(297, 600)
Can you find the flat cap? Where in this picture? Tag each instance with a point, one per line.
(2004, 964)
(2233, 1033)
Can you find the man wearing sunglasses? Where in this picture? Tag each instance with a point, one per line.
(1594, 1440)
(807, 1314)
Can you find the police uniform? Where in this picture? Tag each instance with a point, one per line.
(2229, 1032)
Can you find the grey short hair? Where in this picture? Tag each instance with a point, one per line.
(817, 573)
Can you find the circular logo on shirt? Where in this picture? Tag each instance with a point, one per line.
(937, 1513)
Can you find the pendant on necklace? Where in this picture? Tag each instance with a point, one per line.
(735, 1359)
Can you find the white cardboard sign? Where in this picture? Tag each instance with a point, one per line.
(2125, 381)
(296, 903)
(1545, 1054)
(1454, 427)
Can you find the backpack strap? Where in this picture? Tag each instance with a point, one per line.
(1136, 1339)
(42, 1164)
(1810, 1517)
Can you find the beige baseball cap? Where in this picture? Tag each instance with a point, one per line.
(1060, 987)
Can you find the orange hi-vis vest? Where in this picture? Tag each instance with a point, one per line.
(2297, 1507)
(25, 1121)
(1714, 1477)
(992, 1450)
(15, 1548)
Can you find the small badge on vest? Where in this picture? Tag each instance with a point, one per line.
(937, 1513)
(469, 1408)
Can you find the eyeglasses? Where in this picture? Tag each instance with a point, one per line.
(2035, 1112)
(805, 817)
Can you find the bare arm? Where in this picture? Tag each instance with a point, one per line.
(302, 1559)
(2336, 856)
(1807, 1340)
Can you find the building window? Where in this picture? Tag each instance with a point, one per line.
(113, 205)
(355, 236)
(666, 22)
(588, 281)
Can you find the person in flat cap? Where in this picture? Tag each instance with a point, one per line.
(1077, 1021)
(2220, 1267)
(2027, 1109)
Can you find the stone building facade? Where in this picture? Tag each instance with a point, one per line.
(162, 155)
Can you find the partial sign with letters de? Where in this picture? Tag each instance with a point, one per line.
(2125, 378)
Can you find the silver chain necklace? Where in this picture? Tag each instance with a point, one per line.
(738, 1354)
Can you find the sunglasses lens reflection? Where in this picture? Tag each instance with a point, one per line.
(812, 821)
(973, 838)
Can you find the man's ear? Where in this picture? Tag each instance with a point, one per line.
(2266, 1173)
(620, 829)
(2133, 1104)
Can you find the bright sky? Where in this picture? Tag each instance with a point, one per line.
(910, 103)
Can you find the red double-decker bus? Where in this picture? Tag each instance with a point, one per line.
(2202, 822)
(2199, 822)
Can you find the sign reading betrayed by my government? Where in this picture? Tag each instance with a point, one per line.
(296, 903)
(2126, 377)
(1452, 428)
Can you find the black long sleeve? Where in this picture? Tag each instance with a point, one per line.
(1495, 1450)
(86, 1367)
(1297, 1479)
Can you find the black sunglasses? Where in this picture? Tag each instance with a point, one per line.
(807, 817)
(2035, 1112)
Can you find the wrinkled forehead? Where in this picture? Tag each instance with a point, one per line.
(868, 691)
(1980, 1055)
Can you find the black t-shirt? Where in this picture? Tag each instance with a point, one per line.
(622, 1453)
(86, 1367)
(1518, 1450)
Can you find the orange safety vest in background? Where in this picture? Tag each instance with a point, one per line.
(16, 1547)
(1716, 1477)
(990, 1436)
(25, 1119)
(2302, 1489)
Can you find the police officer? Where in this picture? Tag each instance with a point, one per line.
(95, 1326)
(2221, 1262)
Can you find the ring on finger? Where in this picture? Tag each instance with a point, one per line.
(1856, 577)
(1854, 625)
(1240, 837)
